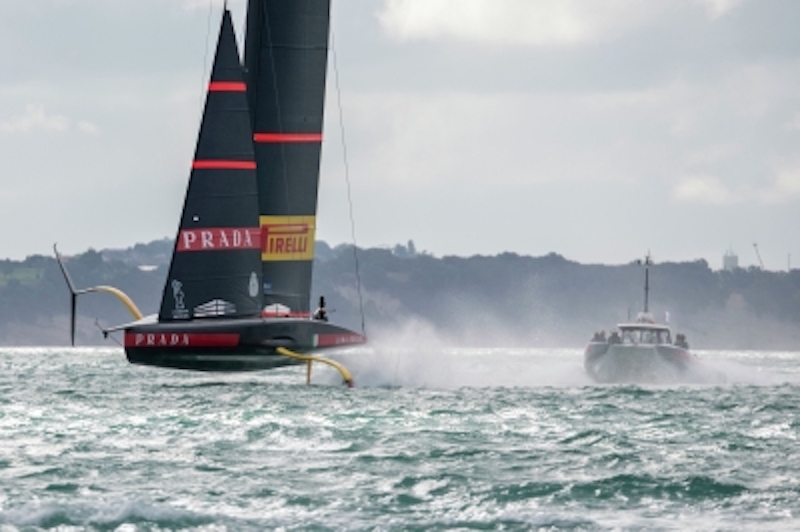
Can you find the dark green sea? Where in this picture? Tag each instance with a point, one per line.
(429, 439)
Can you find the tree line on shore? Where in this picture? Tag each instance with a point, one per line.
(399, 294)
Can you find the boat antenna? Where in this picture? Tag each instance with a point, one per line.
(647, 263)
(347, 180)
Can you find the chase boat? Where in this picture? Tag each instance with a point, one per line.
(639, 352)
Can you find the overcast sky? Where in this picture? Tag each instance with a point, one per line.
(596, 130)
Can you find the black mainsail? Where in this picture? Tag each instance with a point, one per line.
(216, 263)
(286, 52)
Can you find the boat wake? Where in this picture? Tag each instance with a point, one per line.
(751, 368)
(449, 368)
(415, 356)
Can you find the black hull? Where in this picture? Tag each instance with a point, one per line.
(233, 360)
(231, 345)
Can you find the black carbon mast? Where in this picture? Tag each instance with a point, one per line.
(286, 51)
(216, 264)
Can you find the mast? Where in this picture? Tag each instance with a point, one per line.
(216, 263)
(647, 263)
(286, 51)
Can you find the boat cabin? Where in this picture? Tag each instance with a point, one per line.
(644, 333)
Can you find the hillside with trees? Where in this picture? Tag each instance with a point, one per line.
(504, 300)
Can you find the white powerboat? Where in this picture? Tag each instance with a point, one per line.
(641, 351)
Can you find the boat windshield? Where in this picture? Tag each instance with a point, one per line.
(645, 336)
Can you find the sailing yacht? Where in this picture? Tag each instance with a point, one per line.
(237, 296)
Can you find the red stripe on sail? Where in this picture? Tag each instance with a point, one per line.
(269, 138)
(227, 86)
(180, 339)
(219, 239)
(223, 165)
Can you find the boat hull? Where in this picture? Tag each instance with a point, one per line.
(232, 345)
(618, 363)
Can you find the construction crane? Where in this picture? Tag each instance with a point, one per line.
(755, 246)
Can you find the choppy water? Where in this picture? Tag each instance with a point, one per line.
(428, 440)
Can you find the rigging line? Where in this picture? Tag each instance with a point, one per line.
(114, 338)
(106, 333)
(347, 180)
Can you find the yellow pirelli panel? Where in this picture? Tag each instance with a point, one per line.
(288, 237)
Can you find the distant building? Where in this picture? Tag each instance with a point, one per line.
(730, 261)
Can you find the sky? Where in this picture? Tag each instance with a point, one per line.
(600, 131)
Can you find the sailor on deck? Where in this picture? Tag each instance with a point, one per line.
(321, 314)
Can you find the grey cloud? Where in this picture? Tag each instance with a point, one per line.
(463, 147)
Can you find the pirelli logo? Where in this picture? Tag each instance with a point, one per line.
(287, 237)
